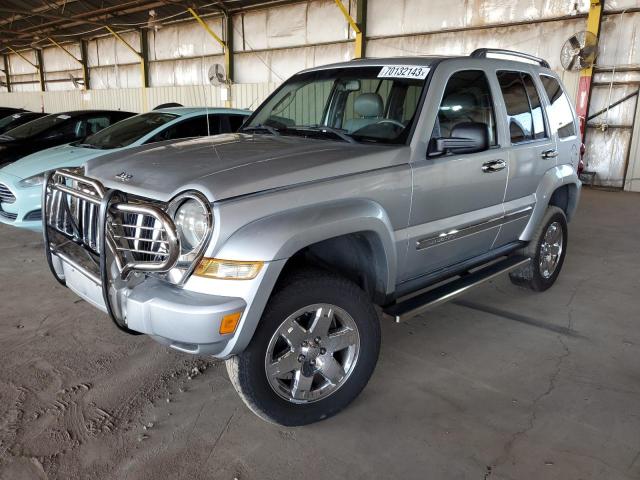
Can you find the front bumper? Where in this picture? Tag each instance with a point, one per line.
(186, 319)
(28, 201)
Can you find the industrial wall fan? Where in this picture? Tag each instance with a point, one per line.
(217, 75)
(579, 51)
(77, 82)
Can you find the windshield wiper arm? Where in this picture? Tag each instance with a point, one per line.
(325, 129)
(86, 145)
(253, 128)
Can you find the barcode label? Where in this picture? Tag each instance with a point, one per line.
(404, 71)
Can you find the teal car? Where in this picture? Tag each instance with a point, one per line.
(21, 182)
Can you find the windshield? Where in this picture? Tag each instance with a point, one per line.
(374, 104)
(8, 120)
(127, 131)
(38, 126)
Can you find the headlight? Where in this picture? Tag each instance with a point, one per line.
(33, 181)
(192, 216)
(192, 222)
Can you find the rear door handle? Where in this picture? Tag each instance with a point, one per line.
(549, 154)
(493, 166)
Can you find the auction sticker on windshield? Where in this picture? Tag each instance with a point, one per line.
(404, 71)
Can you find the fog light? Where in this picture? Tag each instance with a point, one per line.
(229, 323)
(228, 269)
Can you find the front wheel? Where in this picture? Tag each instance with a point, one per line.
(314, 351)
(546, 250)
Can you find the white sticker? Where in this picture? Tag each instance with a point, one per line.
(404, 71)
(16, 115)
(64, 117)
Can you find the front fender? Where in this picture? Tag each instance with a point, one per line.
(276, 237)
(553, 179)
(280, 236)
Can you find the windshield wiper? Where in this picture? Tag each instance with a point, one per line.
(87, 145)
(253, 128)
(325, 130)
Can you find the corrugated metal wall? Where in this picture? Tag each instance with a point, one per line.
(246, 95)
(273, 43)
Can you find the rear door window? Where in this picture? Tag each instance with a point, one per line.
(524, 110)
(559, 111)
(539, 130)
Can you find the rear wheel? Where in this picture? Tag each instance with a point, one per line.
(314, 351)
(546, 250)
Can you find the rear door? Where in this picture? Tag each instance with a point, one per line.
(457, 199)
(562, 121)
(531, 148)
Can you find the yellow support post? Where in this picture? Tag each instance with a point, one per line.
(359, 47)
(86, 87)
(143, 72)
(24, 58)
(38, 66)
(586, 74)
(228, 62)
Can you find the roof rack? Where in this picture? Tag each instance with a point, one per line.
(482, 53)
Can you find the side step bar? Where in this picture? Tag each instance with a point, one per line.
(421, 303)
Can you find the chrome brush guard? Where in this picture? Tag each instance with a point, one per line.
(83, 222)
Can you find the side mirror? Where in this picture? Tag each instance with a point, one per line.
(466, 137)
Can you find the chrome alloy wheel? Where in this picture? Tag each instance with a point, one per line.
(312, 353)
(551, 249)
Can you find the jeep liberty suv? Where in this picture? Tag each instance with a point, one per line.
(392, 182)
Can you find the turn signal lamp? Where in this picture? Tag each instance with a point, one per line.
(229, 323)
(228, 269)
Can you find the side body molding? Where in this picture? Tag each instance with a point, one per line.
(553, 179)
(280, 235)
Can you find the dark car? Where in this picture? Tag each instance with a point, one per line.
(4, 111)
(53, 130)
(15, 120)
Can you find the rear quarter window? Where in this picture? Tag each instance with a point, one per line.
(559, 111)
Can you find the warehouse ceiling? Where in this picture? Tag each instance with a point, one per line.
(30, 23)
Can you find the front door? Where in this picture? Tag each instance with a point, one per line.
(457, 201)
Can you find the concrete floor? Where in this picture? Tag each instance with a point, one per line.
(502, 384)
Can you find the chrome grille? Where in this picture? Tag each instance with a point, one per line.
(139, 234)
(73, 207)
(139, 237)
(6, 196)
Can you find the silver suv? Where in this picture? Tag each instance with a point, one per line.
(393, 182)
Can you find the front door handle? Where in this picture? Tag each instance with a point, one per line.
(549, 154)
(493, 166)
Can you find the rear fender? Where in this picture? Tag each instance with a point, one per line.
(554, 178)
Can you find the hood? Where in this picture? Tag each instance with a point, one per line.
(50, 159)
(229, 165)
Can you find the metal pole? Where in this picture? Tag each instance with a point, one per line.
(85, 64)
(40, 69)
(361, 17)
(6, 72)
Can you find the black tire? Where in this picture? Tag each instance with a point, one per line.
(531, 276)
(307, 287)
